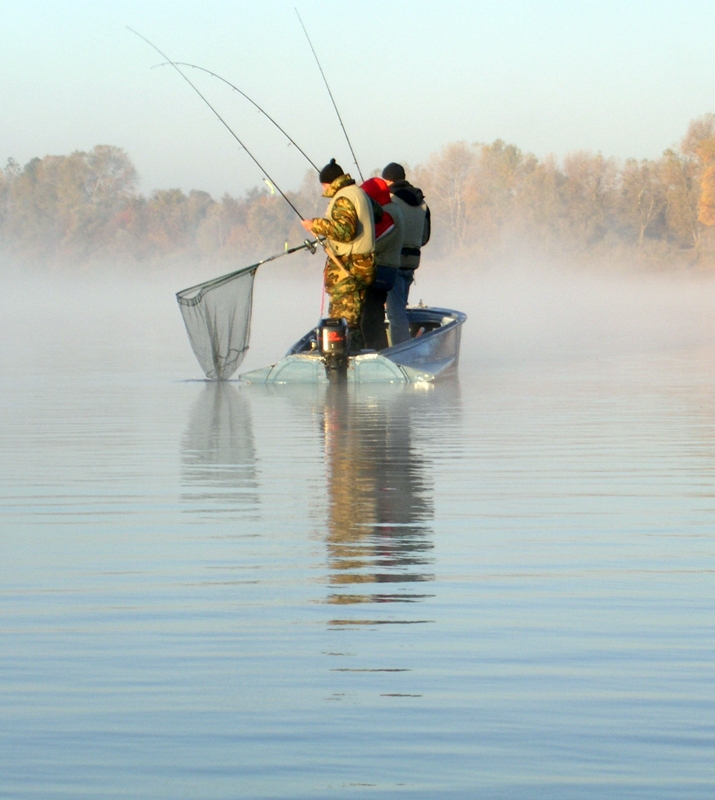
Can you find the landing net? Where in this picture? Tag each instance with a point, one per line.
(217, 315)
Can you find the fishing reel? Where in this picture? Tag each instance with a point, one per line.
(333, 338)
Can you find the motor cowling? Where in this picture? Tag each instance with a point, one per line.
(333, 338)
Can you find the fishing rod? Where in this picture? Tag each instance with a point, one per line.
(325, 80)
(221, 119)
(323, 243)
(192, 297)
(250, 100)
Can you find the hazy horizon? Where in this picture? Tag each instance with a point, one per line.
(549, 77)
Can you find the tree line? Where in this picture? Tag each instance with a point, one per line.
(84, 208)
(483, 195)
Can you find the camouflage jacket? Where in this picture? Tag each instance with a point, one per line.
(343, 225)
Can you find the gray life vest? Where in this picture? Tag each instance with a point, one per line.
(414, 219)
(388, 248)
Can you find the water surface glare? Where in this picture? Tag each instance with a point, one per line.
(497, 587)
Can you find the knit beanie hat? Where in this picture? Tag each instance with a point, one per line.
(393, 172)
(330, 172)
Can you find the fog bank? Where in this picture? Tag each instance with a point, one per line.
(516, 315)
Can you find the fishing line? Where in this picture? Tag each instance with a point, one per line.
(323, 243)
(221, 119)
(347, 138)
(250, 100)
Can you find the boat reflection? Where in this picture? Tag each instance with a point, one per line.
(380, 496)
(364, 474)
(218, 455)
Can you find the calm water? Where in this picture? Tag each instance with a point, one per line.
(499, 587)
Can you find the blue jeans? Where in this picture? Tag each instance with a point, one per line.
(396, 306)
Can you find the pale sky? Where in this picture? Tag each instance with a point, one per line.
(550, 76)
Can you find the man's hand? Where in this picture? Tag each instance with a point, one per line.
(307, 224)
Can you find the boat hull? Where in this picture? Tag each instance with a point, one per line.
(432, 353)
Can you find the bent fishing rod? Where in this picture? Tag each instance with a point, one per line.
(323, 242)
(220, 118)
(325, 80)
(250, 100)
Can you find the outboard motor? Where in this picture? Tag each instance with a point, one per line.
(333, 337)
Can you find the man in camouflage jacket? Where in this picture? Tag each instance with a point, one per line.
(350, 233)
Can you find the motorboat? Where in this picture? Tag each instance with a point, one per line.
(217, 315)
(323, 356)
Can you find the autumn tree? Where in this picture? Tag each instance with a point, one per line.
(35, 220)
(588, 191)
(687, 181)
(706, 203)
(8, 174)
(699, 141)
(68, 203)
(540, 204)
(496, 184)
(214, 232)
(108, 183)
(169, 220)
(642, 198)
(699, 145)
(682, 193)
(266, 225)
(448, 180)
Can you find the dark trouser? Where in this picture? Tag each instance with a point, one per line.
(397, 306)
(372, 321)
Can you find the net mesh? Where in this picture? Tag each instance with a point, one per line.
(217, 315)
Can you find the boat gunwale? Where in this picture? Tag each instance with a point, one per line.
(457, 318)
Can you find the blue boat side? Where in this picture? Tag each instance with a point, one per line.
(432, 353)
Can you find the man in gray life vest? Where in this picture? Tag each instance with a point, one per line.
(417, 229)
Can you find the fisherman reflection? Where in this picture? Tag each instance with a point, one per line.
(218, 454)
(379, 498)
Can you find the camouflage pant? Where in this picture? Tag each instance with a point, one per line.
(348, 292)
